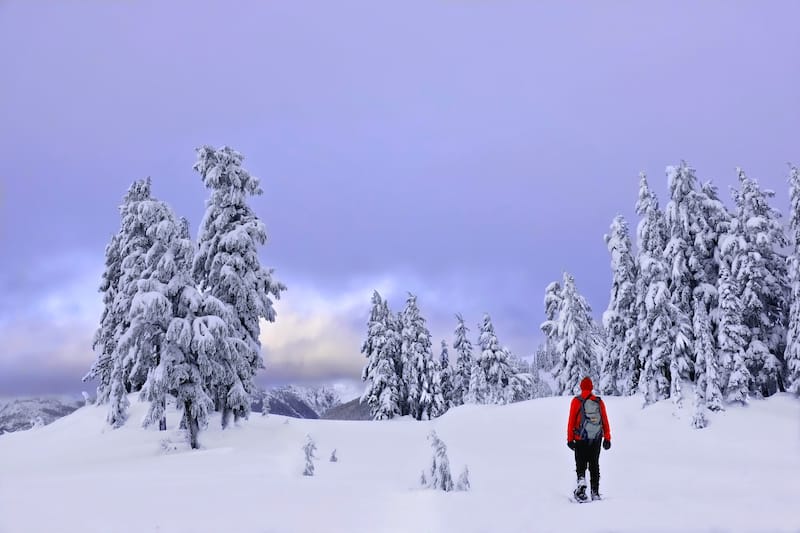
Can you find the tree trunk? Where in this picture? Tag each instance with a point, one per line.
(191, 424)
(226, 416)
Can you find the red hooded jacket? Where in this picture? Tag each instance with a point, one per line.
(574, 421)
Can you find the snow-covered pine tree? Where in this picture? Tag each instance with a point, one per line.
(438, 403)
(418, 363)
(227, 267)
(104, 342)
(478, 392)
(394, 336)
(792, 354)
(732, 334)
(308, 450)
(519, 385)
(439, 476)
(577, 345)
(464, 361)
(620, 372)
(381, 393)
(463, 480)
(151, 308)
(334, 458)
(125, 261)
(707, 391)
(760, 271)
(655, 312)
(552, 306)
(446, 377)
(494, 362)
(680, 254)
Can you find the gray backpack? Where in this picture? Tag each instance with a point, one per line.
(591, 427)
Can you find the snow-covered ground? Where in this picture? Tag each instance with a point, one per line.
(739, 474)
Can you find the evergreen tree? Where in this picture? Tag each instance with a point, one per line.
(446, 377)
(463, 480)
(576, 343)
(495, 364)
(308, 450)
(418, 363)
(552, 305)
(732, 336)
(464, 361)
(228, 268)
(125, 262)
(654, 304)
(478, 392)
(792, 354)
(707, 392)
(151, 310)
(439, 476)
(620, 372)
(381, 394)
(760, 272)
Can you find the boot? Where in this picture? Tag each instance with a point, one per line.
(596, 491)
(580, 490)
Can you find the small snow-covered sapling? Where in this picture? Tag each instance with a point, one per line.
(309, 448)
(463, 480)
(440, 476)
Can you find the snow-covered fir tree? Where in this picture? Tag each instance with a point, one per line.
(792, 354)
(478, 392)
(657, 329)
(680, 255)
(227, 267)
(418, 362)
(151, 308)
(495, 365)
(552, 305)
(732, 337)
(463, 480)
(439, 476)
(620, 372)
(125, 262)
(760, 271)
(104, 342)
(464, 360)
(707, 389)
(382, 393)
(445, 377)
(308, 450)
(577, 344)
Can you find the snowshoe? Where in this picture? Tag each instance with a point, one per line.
(580, 492)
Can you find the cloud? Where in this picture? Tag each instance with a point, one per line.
(318, 334)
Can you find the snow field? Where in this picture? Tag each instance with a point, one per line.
(78, 475)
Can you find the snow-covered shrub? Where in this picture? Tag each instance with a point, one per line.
(333, 458)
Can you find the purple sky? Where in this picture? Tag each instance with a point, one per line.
(466, 151)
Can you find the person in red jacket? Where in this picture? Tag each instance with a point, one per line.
(587, 428)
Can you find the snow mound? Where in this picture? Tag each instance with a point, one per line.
(738, 474)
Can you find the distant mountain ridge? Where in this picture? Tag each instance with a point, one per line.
(20, 414)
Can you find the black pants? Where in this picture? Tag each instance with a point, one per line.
(588, 453)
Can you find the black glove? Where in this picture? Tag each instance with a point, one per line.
(606, 444)
(571, 445)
